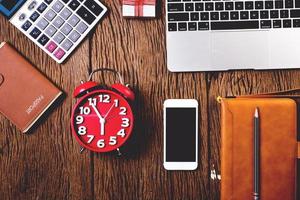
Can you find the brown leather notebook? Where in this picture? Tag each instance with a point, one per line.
(25, 94)
(278, 148)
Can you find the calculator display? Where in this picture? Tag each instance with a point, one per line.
(9, 7)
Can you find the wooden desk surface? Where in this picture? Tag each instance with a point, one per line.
(47, 164)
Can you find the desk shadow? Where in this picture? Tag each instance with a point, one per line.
(138, 143)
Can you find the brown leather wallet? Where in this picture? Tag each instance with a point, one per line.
(278, 125)
(25, 94)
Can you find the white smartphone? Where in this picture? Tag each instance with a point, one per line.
(180, 134)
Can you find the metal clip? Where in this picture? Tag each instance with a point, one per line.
(219, 99)
(214, 175)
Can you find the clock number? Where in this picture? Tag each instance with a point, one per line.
(82, 130)
(79, 119)
(116, 103)
(104, 98)
(121, 133)
(84, 110)
(112, 140)
(91, 138)
(123, 111)
(101, 143)
(125, 122)
(92, 101)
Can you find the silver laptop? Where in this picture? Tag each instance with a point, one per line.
(206, 35)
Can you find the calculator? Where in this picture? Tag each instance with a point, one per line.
(56, 26)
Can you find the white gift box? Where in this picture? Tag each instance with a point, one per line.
(139, 11)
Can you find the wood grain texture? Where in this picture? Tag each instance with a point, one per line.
(47, 164)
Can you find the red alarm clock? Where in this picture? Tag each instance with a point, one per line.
(102, 119)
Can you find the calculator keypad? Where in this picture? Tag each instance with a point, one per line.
(35, 33)
(42, 24)
(86, 15)
(43, 40)
(65, 14)
(59, 37)
(42, 8)
(74, 4)
(34, 16)
(26, 25)
(60, 24)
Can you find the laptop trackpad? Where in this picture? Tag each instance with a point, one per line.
(240, 49)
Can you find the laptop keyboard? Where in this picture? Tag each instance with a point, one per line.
(203, 15)
(59, 25)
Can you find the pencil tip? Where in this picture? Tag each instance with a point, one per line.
(256, 113)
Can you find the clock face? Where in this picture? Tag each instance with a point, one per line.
(102, 121)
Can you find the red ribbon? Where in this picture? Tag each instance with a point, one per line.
(138, 5)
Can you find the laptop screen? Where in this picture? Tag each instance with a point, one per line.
(9, 7)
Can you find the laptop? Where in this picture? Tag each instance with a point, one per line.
(56, 26)
(217, 35)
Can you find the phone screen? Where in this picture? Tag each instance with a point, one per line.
(9, 7)
(181, 134)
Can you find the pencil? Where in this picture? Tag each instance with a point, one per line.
(256, 193)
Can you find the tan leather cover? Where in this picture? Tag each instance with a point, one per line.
(278, 148)
(25, 94)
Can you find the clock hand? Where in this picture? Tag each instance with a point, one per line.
(101, 120)
(102, 124)
(111, 117)
(97, 112)
(109, 110)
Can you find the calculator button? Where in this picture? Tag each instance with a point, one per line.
(73, 20)
(51, 46)
(74, 36)
(86, 15)
(74, 4)
(65, 13)
(50, 15)
(93, 6)
(42, 7)
(50, 31)
(67, 44)
(26, 25)
(59, 53)
(32, 5)
(35, 33)
(59, 37)
(66, 29)
(42, 24)
(43, 40)
(22, 17)
(81, 27)
(48, 1)
(57, 6)
(58, 22)
(34, 16)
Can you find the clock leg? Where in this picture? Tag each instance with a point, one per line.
(119, 152)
